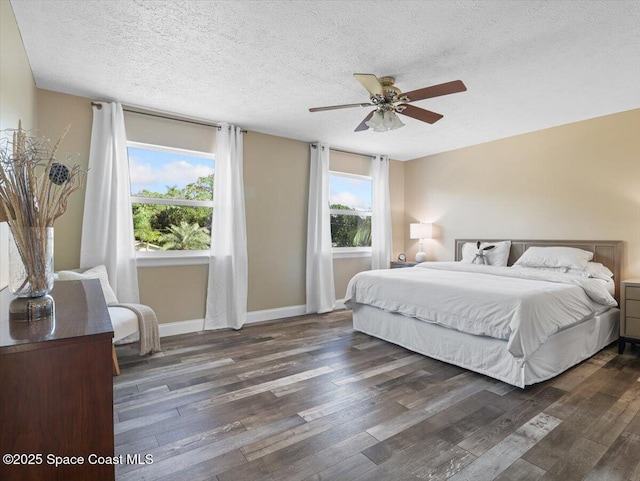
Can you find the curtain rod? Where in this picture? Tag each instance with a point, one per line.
(315, 146)
(98, 105)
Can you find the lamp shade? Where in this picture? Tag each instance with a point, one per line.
(391, 121)
(420, 231)
(384, 120)
(376, 120)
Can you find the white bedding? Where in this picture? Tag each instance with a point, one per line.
(521, 306)
(487, 355)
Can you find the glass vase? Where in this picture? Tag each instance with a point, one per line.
(31, 261)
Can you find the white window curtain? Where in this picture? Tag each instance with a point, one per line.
(321, 295)
(380, 213)
(228, 278)
(107, 223)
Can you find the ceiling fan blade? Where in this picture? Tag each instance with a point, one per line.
(370, 82)
(335, 107)
(363, 125)
(435, 91)
(420, 114)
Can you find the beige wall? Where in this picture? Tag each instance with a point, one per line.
(344, 269)
(176, 293)
(55, 112)
(276, 182)
(18, 92)
(576, 181)
(17, 97)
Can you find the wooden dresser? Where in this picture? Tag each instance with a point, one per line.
(56, 390)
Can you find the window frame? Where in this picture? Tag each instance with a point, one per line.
(347, 252)
(175, 257)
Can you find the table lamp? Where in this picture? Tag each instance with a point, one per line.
(421, 231)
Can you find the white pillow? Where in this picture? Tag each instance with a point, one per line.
(498, 256)
(594, 270)
(599, 271)
(555, 257)
(98, 272)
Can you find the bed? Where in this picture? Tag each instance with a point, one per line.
(521, 355)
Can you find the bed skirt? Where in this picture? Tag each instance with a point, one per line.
(487, 355)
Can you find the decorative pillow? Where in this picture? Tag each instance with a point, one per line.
(555, 257)
(98, 272)
(491, 253)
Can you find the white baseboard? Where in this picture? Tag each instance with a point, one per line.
(180, 327)
(277, 313)
(195, 325)
(282, 312)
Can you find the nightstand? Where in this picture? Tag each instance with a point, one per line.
(629, 313)
(399, 265)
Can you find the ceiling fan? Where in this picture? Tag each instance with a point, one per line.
(389, 100)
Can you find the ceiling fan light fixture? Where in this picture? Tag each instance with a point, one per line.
(375, 121)
(391, 120)
(383, 121)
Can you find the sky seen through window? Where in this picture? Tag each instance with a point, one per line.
(155, 171)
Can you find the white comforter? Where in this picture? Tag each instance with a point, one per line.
(521, 305)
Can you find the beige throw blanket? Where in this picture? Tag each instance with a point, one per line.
(148, 326)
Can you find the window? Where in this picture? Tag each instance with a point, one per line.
(171, 199)
(350, 204)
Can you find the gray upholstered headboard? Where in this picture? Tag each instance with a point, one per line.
(608, 253)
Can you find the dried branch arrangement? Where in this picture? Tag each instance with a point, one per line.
(34, 190)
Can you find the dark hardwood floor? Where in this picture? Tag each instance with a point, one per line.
(309, 399)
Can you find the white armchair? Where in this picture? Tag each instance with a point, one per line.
(125, 327)
(128, 320)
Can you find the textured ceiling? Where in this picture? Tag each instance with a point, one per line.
(527, 65)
